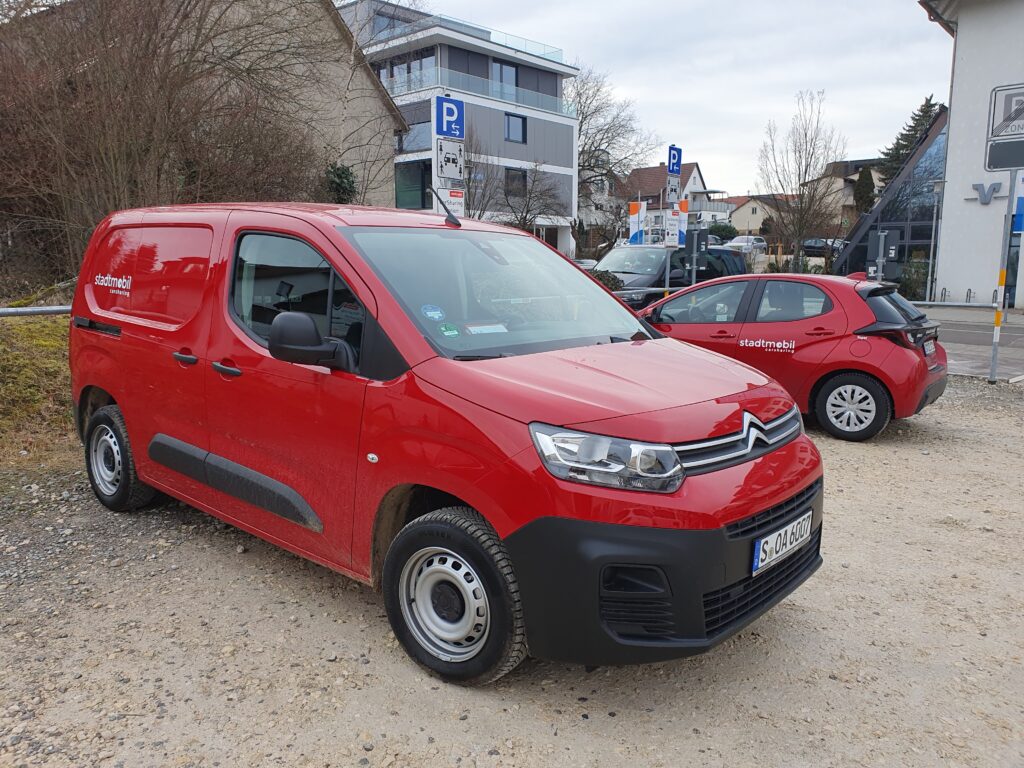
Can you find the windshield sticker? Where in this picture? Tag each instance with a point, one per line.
(496, 328)
(447, 329)
(432, 312)
(769, 345)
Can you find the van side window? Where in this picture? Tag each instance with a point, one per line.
(275, 274)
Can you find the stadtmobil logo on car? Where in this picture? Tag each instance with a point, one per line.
(119, 285)
(769, 345)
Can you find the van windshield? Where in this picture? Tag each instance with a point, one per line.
(491, 294)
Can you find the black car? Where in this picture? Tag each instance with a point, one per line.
(642, 269)
(818, 246)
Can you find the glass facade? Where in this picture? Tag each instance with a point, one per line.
(909, 209)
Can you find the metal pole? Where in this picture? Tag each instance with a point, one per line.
(1001, 289)
(931, 249)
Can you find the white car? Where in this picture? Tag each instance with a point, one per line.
(748, 244)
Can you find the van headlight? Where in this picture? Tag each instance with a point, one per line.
(608, 461)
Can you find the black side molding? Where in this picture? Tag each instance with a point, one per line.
(234, 479)
(96, 325)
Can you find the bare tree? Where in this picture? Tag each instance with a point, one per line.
(484, 181)
(612, 142)
(110, 104)
(528, 195)
(792, 167)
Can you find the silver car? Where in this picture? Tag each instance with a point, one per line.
(748, 245)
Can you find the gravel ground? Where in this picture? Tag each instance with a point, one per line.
(169, 639)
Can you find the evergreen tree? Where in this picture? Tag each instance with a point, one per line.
(896, 154)
(341, 184)
(864, 190)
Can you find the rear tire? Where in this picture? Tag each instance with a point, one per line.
(852, 406)
(453, 599)
(110, 463)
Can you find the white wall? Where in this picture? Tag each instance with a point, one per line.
(989, 53)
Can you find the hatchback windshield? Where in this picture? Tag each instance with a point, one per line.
(491, 294)
(631, 260)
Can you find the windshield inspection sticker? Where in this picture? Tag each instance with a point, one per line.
(447, 329)
(496, 328)
(432, 312)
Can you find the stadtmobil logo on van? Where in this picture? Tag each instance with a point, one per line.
(768, 345)
(118, 285)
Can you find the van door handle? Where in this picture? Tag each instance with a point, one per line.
(820, 332)
(181, 357)
(227, 370)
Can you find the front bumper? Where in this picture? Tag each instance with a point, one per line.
(598, 593)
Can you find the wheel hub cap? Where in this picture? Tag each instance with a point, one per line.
(444, 604)
(850, 408)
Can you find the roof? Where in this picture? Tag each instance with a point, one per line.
(945, 13)
(736, 200)
(333, 215)
(653, 179)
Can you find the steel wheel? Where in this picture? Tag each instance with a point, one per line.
(444, 604)
(105, 457)
(850, 408)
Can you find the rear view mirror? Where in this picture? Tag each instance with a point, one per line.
(295, 338)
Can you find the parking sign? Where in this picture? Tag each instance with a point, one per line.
(449, 117)
(675, 160)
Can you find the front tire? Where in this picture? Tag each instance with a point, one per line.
(852, 406)
(452, 597)
(110, 463)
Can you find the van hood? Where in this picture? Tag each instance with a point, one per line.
(614, 384)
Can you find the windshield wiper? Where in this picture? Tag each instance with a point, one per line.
(480, 357)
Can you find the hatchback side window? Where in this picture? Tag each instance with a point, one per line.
(714, 304)
(784, 300)
(275, 274)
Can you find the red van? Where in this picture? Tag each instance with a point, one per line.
(853, 352)
(453, 414)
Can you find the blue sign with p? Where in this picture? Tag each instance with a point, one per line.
(449, 117)
(675, 160)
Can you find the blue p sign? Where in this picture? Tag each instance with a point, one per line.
(449, 117)
(675, 160)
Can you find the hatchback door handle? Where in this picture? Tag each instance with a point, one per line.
(227, 370)
(185, 358)
(723, 335)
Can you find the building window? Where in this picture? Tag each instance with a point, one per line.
(515, 182)
(504, 73)
(383, 23)
(753, 210)
(412, 182)
(515, 128)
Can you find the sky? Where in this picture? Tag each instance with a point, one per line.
(707, 75)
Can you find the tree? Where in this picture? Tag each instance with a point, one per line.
(529, 195)
(864, 190)
(792, 172)
(723, 230)
(341, 183)
(612, 142)
(897, 153)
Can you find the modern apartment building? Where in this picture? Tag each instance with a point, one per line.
(521, 133)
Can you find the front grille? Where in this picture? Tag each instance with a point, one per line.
(755, 439)
(775, 516)
(638, 618)
(730, 605)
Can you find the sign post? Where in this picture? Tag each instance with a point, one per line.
(1014, 223)
(448, 169)
(673, 219)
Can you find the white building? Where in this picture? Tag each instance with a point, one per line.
(518, 123)
(987, 87)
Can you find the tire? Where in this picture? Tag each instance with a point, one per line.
(455, 557)
(852, 406)
(110, 463)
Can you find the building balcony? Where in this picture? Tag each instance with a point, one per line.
(460, 81)
(532, 47)
(709, 206)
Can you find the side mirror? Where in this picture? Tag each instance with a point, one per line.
(677, 274)
(294, 338)
(654, 315)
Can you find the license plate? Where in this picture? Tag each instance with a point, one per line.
(929, 347)
(780, 544)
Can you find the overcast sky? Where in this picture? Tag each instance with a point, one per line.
(707, 75)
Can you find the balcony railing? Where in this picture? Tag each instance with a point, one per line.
(711, 206)
(460, 81)
(473, 30)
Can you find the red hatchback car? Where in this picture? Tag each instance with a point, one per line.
(452, 413)
(854, 353)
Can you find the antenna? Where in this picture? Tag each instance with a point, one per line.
(450, 219)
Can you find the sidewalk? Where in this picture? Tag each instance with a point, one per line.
(966, 333)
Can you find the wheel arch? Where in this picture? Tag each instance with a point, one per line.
(90, 399)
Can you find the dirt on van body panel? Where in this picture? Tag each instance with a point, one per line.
(167, 638)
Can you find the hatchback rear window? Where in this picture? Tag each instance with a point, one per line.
(890, 307)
